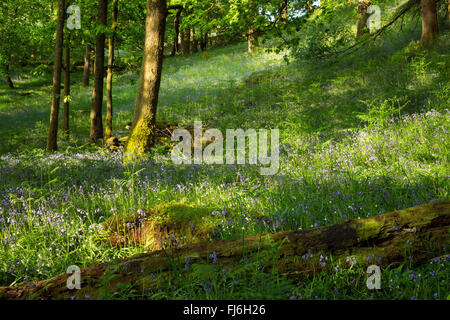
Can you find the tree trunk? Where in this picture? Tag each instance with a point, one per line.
(176, 24)
(93, 62)
(309, 6)
(448, 9)
(52, 144)
(362, 16)
(186, 42)
(97, 92)
(87, 65)
(252, 36)
(429, 23)
(142, 136)
(252, 40)
(284, 11)
(204, 42)
(109, 79)
(8, 77)
(65, 125)
(421, 231)
(194, 42)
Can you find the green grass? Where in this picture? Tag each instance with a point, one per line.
(363, 136)
(214, 282)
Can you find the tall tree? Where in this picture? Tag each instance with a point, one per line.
(93, 62)
(252, 40)
(361, 20)
(253, 33)
(194, 41)
(14, 37)
(56, 94)
(176, 25)
(8, 77)
(284, 11)
(87, 65)
(204, 41)
(65, 125)
(97, 92)
(142, 135)
(109, 78)
(186, 41)
(429, 22)
(309, 6)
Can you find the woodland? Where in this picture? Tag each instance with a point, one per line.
(355, 95)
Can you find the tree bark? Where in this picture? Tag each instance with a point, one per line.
(194, 42)
(362, 16)
(421, 231)
(142, 136)
(429, 23)
(309, 6)
(109, 79)
(96, 132)
(52, 144)
(448, 9)
(176, 25)
(284, 11)
(87, 65)
(186, 42)
(204, 42)
(8, 77)
(93, 62)
(252, 38)
(65, 125)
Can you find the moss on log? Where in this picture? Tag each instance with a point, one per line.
(173, 222)
(418, 233)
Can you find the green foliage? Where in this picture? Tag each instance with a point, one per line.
(325, 31)
(380, 113)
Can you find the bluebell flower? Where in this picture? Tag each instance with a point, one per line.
(413, 276)
(213, 256)
(307, 255)
(187, 264)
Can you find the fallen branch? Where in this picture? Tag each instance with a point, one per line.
(418, 232)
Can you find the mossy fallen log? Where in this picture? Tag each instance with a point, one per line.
(171, 222)
(414, 235)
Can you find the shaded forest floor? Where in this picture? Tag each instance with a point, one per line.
(363, 136)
